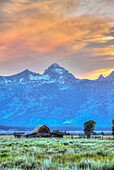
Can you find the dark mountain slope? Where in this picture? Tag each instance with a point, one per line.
(55, 98)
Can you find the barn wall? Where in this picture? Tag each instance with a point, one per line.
(43, 130)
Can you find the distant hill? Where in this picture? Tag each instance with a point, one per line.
(55, 98)
(61, 128)
(15, 128)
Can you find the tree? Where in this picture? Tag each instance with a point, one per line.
(89, 127)
(113, 127)
(102, 133)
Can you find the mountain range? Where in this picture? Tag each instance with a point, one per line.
(55, 98)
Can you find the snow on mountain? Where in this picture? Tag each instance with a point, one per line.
(55, 98)
(20, 77)
(41, 77)
(55, 69)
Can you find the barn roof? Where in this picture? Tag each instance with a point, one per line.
(36, 130)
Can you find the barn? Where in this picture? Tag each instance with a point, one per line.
(41, 131)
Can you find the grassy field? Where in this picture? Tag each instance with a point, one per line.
(56, 154)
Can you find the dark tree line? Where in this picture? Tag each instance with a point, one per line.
(113, 127)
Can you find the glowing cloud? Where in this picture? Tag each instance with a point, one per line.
(74, 33)
(95, 74)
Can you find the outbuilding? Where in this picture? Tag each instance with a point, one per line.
(18, 134)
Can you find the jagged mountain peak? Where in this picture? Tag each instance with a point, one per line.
(19, 77)
(60, 75)
(101, 77)
(111, 76)
(22, 73)
(28, 72)
(56, 69)
(55, 65)
(112, 73)
(56, 98)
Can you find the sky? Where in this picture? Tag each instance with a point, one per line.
(76, 34)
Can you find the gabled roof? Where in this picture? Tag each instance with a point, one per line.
(36, 130)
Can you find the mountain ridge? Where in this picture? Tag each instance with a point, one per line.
(55, 98)
(55, 65)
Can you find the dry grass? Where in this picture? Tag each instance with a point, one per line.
(7, 136)
(74, 136)
(108, 137)
(100, 137)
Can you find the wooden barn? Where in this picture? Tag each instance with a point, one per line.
(41, 131)
(18, 134)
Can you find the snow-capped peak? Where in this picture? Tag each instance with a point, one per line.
(55, 69)
(19, 77)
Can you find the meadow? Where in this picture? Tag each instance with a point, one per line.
(56, 154)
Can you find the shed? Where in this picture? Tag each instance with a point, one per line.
(18, 134)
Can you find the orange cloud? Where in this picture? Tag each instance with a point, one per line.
(104, 51)
(95, 74)
(49, 29)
